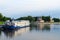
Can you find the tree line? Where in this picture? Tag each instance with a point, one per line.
(3, 18)
(30, 18)
(45, 18)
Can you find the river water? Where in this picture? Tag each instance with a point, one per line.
(38, 32)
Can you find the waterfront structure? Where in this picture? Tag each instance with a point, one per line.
(16, 24)
(51, 20)
(21, 23)
(39, 19)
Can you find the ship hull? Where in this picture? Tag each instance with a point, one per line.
(6, 27)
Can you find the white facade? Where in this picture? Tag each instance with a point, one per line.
(40, 20)
(51, 20)
(20, 23)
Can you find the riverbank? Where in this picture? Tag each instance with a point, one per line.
(51, 23)
(34, 23)
(1, 22)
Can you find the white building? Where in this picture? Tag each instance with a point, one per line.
(40, 20)
(51, 20)
(20, 23)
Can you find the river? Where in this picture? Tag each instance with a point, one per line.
(38, 32)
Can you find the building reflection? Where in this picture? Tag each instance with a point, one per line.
(42, 26)
(13, 33)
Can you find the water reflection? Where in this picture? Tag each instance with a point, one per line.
(13, 33)
(34, 32)
(55, 27)
(41, 26)
(0, 33)
(38, 27)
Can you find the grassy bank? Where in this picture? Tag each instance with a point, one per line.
(1, 22)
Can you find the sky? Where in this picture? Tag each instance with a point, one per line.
(20, 8)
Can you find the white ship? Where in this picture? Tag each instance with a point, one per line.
(16, 24)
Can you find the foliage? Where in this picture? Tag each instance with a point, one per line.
(46, 18)
(30, 18)
(1, 22)
(56, 19)
(35, 18)
(3, 18)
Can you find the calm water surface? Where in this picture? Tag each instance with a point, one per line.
(38, 32)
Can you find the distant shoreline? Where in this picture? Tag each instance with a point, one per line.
(51, 22)
(1, 23)
(45, 23)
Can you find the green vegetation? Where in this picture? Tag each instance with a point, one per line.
(1, 22)
(30, 18)
(46, 18)
(3, 18)
(56, 19)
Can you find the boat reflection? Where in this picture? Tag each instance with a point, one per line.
(0, 33)
(13, 33)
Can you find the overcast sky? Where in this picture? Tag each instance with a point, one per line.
(19, 8)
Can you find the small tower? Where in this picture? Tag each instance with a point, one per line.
(51, 20)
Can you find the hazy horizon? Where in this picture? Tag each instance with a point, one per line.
(19, 8)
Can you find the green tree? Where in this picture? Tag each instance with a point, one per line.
(4, 18)
(1, 17)
(56, 19)
(46, 18)
(30, 18)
